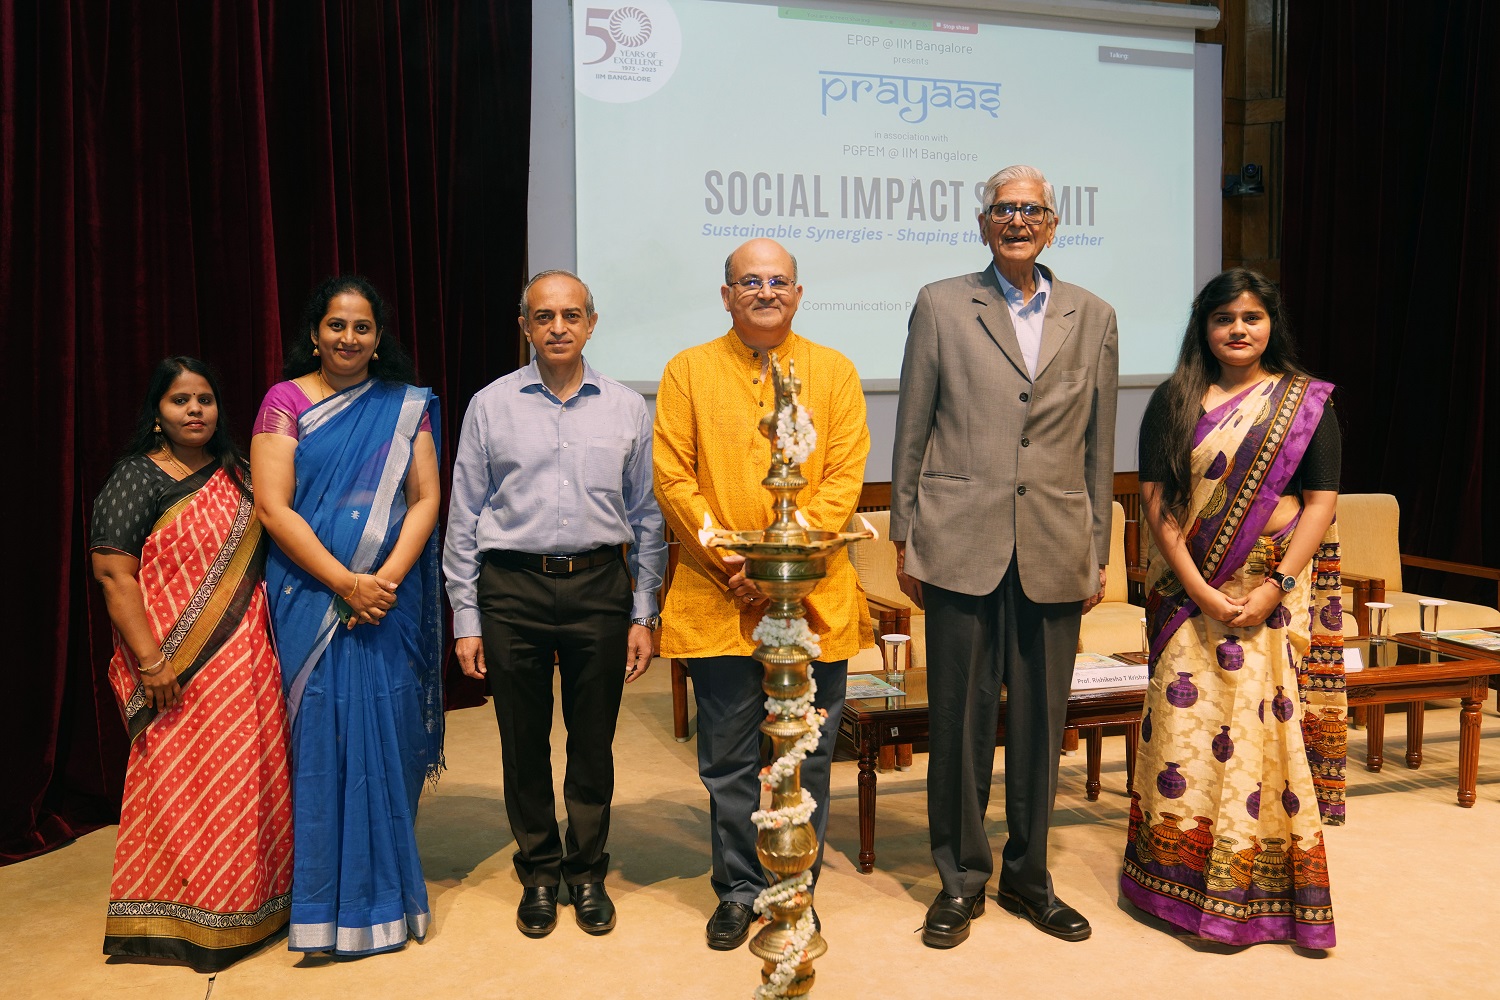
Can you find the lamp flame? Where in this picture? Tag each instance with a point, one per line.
(802, 520)
(868, 526)
(706, 533)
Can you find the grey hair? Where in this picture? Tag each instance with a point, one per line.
(1016, 172)
(588, 295)
(729, 274)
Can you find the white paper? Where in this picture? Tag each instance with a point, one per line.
(1353, 659)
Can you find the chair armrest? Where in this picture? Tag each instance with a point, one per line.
(889, 616)
(1462, 569)
(1364, 589)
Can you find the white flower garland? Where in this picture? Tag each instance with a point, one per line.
(794, 951)
(795, 436)
(788, 632)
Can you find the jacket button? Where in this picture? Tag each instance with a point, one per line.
(1021, 490)
(1026, 442)
(1025, 397)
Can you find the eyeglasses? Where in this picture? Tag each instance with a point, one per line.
(1032, 214)
(753, 283)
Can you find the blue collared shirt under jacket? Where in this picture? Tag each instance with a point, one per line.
(1027, 317)
(535, 474)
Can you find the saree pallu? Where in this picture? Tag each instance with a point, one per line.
(365, 704)
(1223, 744)
(203, 864)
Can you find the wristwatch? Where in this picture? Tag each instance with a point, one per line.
(653, 623)
(1286, 583)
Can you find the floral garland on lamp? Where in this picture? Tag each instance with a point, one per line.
(795, 435)
(789, 632)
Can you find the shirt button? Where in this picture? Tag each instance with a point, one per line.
(1025, 397)
(755, 381)
(565, 444)
(1021, 490)
(565, 483)
(1026, 442)
(755, 354)
(565, 520)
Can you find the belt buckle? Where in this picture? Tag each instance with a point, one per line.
(557, 565)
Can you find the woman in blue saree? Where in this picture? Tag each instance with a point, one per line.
(1241, 758)
(347, 487)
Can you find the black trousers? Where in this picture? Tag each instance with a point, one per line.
(528, 620)
(974, 644)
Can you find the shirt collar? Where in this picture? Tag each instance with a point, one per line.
(1013, 294)
(531, 380)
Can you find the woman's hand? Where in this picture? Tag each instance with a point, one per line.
(370, 599)
(1259, 604)
(1220, 606)
(161, 687)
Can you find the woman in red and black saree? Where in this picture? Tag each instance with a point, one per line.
(1241, 756)
(203, 864)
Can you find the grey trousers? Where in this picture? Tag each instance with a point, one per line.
(731, 706)
(974, 644)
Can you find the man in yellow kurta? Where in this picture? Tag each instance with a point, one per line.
(710, 458)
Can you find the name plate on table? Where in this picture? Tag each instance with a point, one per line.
(1095, 672)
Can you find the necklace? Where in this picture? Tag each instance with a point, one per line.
(327, 389)
(170, 457)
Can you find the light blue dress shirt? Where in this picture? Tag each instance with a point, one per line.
(535, 474)
(1027, 317)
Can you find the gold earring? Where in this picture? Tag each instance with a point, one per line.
(375, 356)
(315, 352)
(156, 429)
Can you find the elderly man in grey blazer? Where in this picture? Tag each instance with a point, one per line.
(1002, 479)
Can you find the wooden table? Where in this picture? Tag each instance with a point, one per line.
(1411, 668)
(870, 723)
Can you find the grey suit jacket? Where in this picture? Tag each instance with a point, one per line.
(991, 466)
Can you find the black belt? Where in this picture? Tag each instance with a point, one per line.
(555, 565)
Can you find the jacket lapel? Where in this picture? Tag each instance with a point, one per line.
(1057, 325)
(995, 318)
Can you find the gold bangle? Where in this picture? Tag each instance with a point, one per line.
(353, 590)
(154, 668)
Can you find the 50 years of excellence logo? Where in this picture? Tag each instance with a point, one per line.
(624, 53)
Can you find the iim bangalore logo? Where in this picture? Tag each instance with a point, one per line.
(624, 53)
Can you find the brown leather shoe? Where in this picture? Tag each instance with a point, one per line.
(1058, 918)
(948, 918)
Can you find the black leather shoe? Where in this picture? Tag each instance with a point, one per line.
(1058, 919)
(729, 927)
(537, 914)
(948, 918)
(592, 908)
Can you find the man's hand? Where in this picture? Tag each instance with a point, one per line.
(637, 652)
(744, 590)
(1093, 602)
(910, 585)
(470, 650)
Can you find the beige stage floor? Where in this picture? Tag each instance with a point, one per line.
(1415, 884)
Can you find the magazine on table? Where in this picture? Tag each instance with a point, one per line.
(1477, 637)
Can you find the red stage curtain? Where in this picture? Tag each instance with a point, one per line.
(1391, 257)
(173, 178)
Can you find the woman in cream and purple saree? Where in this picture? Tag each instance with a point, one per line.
(347, 487)
(1241, 756)
(203, 863)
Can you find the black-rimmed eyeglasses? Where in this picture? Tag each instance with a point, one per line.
(1032, 214)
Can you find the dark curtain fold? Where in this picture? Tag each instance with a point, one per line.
(1391, 259)
(173, 178)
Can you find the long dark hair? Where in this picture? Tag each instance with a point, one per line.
(1178, 401)
(393, 365)
(145, 438)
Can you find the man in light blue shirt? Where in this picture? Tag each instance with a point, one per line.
(552, 476)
